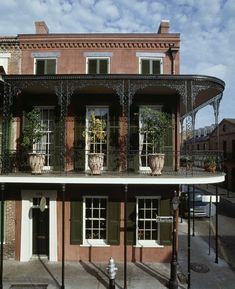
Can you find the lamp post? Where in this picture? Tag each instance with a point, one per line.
(173, 283)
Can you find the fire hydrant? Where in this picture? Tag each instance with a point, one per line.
(112, 273)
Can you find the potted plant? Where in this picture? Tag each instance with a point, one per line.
(210, 165)
(96, 133)
(32, 134)
(155, 126)
(186, 161)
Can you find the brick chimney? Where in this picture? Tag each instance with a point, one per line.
(41, 27)
(164, 27)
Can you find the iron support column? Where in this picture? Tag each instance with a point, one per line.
(216, 227)
(173, 283)
(63, 239)
(125, 237)
(189, 242)
(2, 233)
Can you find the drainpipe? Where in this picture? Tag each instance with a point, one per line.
(125, 237)
(173, 51)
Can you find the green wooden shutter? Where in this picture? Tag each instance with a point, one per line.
(165, 228)
(168, 149)
(156, 66)
(76, 223)
(113, 223)
(131, 223)
(1, 220)
(79, 144)
(56, 156)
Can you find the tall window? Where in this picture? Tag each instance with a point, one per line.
(45, 66)
(145, 145)
(97, 65)
(147, 227)
(99, 146)
(46, 143)
(95, 220)
(150, 66)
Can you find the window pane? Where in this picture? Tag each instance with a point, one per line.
(40, 64)
(147, 226)
(156, 66)
(145, 68)
(92, 66)
(103, 66)
(50, 66)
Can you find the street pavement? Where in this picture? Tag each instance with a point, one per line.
(204, 272)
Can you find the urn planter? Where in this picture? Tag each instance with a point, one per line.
(156, 163)
(36, 162)
(95, 163)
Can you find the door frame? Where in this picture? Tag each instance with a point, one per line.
(26, 247)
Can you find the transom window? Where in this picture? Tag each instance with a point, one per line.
(150, 66)
(147, 228)
(145, 145)
(96, 145)
(95, 221)
(45, 66)
(97, 65)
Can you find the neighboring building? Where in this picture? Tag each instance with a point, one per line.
(227, 145)
(69, 76)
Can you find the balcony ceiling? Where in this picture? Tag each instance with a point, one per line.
(194, 90)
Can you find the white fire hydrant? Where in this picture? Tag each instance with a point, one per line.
(112, 273)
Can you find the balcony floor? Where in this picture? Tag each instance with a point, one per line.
(183, 176)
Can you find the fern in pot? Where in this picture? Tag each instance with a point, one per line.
(32, 134)
(155, 125)
(96, 133)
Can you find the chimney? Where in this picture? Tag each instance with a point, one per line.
(41, 27)
(164, 27)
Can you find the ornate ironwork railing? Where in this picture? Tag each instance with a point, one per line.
(116, 162)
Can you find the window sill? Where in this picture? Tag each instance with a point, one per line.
(148, 245)
(94, 244)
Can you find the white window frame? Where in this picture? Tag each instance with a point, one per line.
(44, 58)
(49, 167)
(94, 242)
(97, 58)
(151, 59)
(141, 137)
(86, 137)
(148, 243)
(4, 58)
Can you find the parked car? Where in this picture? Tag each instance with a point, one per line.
(200, 208)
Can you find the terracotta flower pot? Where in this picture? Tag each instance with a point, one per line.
(156, 163)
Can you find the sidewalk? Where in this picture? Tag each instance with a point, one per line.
(205, 273)
(83, 275)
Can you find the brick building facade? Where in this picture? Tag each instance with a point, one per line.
(69, 77)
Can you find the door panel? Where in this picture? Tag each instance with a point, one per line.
(40, 232)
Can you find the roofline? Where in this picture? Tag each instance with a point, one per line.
(116, 77)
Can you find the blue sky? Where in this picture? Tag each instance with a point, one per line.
(206, 27)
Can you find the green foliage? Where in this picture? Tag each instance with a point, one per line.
(96, 130)
(210, 161)
(155, 124)
(32, 131)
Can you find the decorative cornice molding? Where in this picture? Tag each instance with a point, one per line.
(95, 44)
